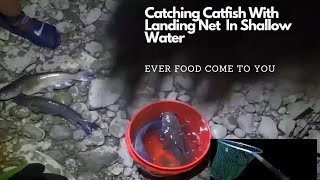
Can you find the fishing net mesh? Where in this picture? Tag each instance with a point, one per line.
(229, 161)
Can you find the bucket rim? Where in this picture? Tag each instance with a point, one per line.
(227, 143)
(187, 166)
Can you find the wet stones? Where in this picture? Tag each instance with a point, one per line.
(99, 157)
(59, 132)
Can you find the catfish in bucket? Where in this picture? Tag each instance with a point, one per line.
(171, 133)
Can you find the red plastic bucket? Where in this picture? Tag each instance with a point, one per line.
(185, 112)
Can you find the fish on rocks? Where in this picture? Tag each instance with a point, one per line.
(34, 83)
(48, 106)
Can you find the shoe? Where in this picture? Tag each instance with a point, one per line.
(37, 32)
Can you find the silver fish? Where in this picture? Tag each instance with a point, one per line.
(34, 83)
(48, 106)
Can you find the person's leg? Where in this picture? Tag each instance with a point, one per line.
(10, 7)
(17, 22)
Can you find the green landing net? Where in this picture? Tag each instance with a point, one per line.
(231, 159)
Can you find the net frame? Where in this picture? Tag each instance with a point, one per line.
(224, 166)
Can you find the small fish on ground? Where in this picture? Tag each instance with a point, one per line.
(48, 106)
(138, 143)
(34, 83)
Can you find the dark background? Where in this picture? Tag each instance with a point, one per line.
(295, 158)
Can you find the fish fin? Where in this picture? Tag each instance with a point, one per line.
(88, 126)
(85, 75)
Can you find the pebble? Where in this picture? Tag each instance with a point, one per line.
(56, 155)
(104, 92)
(237, 99)
(172, 96)
(33, 132)
(218, 131)
(87, 176)
(99, 157)
(239, 133)
(94, 48)
(255, 94)
(20, 112)
(275, 100)
(127, 171)
(124, 154)
(296, 108)
(287, 124)
(183, 81)
(167, 84)
(43, 3)
(249, 108)
(90, 16)
(82, 6)
(231, 136)
(282, 110)
(95, 139)
(63, 97)
(59, 132)
(245, 122)
(114, 107)
(230, 122)
(218, 120)
(4, 34)
(111, 114)
(90, 29)
(268, 128)
(111, 4)
(208, 110)
(56, 14)
(65, 27)
(184, 98)
(78, 134)
(60, 4)
(117, 170)
(118, 126)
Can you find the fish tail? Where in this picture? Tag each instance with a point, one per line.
(88, 126)
(85, 75)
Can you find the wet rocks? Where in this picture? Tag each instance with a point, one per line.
(33, 132)
(183, 81)
(87, 176)
(90, 16)
(239, 133)
(65, 27)
(118, 126)
(172, 96)
(184, 98)
(268, 128)
(59, 132)
(60, 4)
(249, 108)
(99, 157)
(167, 84)
(230, 122)
(124, 154)
(4, 34)
(20, 112)
(255, 94)
(94, 48)
(78, 134)
(275, 100)
(17, 59)
(94, 139)
(63, 97)
(245, 122)
(294, 109)
(104, 92)
(287, 125)
(218, 131)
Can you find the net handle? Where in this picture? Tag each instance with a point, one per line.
(277, 172)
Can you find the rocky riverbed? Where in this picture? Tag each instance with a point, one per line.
(263, 109)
